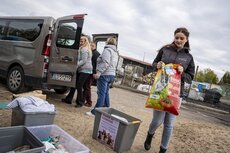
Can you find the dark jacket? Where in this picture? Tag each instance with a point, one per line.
(169, 54)
(96, 54)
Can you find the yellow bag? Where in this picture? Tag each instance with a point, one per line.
(165, 91)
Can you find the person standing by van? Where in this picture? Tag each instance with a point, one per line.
(106, 70)
(83, 72)
(177, 53)
(90, 80)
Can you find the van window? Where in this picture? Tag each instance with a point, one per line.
(66, 34)
(24, 30)
(2, 28)
(100, 46)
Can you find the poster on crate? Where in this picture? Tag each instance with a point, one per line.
(107, 131)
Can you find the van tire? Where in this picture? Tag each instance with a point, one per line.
(15, 80)
(61, 91)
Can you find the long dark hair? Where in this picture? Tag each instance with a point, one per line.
(186, 33)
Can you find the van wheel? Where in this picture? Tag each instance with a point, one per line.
(15, 80)
(61, 91)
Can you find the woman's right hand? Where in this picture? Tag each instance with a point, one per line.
(97, 75)
(159, 65)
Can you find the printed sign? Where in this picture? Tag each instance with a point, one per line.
(107, 131)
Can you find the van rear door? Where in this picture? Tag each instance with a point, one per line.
(64, 51)
(100, 40)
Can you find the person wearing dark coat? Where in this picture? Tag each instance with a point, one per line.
(176, 53)
(90, 81)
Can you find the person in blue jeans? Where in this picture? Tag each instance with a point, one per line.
(177, 53)
(106, 70)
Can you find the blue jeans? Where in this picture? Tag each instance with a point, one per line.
(168, 119)
(103, 91)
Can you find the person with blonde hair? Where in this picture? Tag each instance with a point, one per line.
(83, 72)
(106, 70)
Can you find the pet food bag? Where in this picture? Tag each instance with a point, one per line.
(165, 91)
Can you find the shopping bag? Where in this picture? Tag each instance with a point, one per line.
(165, 91)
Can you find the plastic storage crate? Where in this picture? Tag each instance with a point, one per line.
(19, 117)
(70, 144)
(17, 136)
(123, 133)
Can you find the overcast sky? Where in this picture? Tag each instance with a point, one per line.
(144, 26)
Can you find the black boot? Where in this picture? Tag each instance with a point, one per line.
(148, 141)
(162, 150)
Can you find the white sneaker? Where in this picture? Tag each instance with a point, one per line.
(89, 114)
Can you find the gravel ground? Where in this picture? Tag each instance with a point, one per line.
(194, 132)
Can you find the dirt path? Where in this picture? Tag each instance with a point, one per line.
(193, 132)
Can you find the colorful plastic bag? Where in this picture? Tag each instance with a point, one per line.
(165, 91)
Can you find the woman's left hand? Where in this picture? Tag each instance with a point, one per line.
(180, 69)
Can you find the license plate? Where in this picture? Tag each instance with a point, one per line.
(62, 77)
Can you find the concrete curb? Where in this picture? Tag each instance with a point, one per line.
(187, 103)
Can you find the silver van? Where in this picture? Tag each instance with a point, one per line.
(41, 52)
